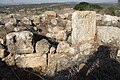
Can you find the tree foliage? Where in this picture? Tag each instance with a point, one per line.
(82, 6)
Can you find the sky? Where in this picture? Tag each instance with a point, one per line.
(48, 1)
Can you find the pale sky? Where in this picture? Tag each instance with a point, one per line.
(46, 1)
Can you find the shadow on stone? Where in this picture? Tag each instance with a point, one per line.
(100, 66)
(38, 37)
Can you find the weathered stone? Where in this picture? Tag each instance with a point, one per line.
(36, 19)
(63, 47)
(42, 47)
(10, 23)
(107, 34)
(50, 35)
(62, 63)
(52, 50)
(19, 42)
(99, 17)
(57, 62)
(2, 51)
(50, 28)
(69, 39)
(16, 29)
(50, 14)
(26, 21)
(110, 20)
(31, 60)
(68, 26)
(83, 26)
(10, 59)
(118, 53)
(61, 36)
(64, 16)
(1, 41)
(81, 66)
(54, 22)
(85, 47)
(57, 29)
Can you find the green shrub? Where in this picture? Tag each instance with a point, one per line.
(82, 6)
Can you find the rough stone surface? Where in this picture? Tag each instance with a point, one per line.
(83, 26)
(50, 14)
(63, 47)
(30, 60)
(99, 17)
(57, 29)
(61, 36)
(107, 34)
(11, 22)
(109, 20)
(50, 35)
(10, 59)
(54, 22)
(2, 51)
(36, 19)
(52, 50)
(118, 53)
(42, 47)
(64, 16)
(19, 42)
(68, 26)
(1, 41)
(26, 21)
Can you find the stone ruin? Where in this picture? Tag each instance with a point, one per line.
(27, 52)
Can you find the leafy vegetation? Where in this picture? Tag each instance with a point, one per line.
(87, 6)
(111, 9)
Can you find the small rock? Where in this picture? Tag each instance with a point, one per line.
(35, 28)
(10, 59)
(118, 53)
(99, 17)
(54, 22)
(2, 52)
(50, 35)
(26, 21)
(81, 66)
(63, 47)
(16, 29)
(52, 50)
(36, 19)
(1, 41)
(50, 28)
(42, 47)
(64, 16)
(68, 26)
(69, 39)
(57, 29)
(61, 36)
(11, 22)
(50, 14)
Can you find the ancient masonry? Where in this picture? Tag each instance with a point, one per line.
(84, 26)
(83, 30)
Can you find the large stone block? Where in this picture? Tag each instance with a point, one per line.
(42, 47)
(83, 26)
(108, 34)
(30, 60)
(20, 42)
